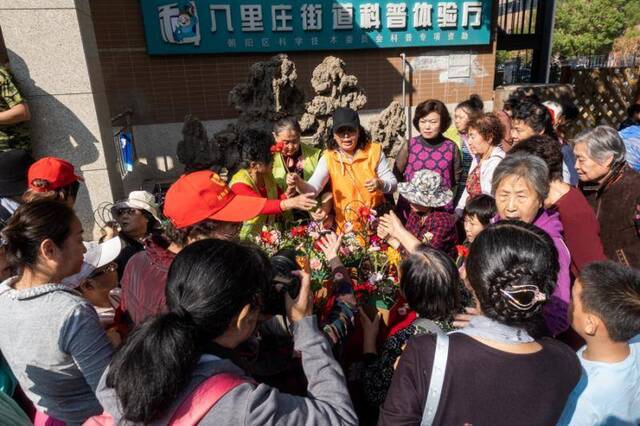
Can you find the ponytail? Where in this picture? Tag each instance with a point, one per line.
(209, 283)
(153, 367)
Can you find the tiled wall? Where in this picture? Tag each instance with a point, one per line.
(163, 89)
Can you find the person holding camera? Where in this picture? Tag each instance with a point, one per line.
(180, 364)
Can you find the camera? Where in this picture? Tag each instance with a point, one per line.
(283, 263)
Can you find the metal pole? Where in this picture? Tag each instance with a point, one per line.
(405, 107)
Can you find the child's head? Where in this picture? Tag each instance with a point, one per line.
(606, 302)
(478, 214)
(429, 281)
(97, 286)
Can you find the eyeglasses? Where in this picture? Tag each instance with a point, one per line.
(126, 210)
(108, 268)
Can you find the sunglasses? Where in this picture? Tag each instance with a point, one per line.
(126, 210)
(108, 268)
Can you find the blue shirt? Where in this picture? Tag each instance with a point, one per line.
(631, 138)
(607, 393)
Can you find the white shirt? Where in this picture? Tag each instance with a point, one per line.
(487, 167)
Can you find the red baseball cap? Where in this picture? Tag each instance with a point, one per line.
(203, 195)
(55, 171)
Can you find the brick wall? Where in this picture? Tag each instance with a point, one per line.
(163, 89)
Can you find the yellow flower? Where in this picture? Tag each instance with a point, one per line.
(394, 256)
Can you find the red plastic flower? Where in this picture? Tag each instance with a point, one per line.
(462, 250)
(299, 231)
(278, 147)
(364, 212)
(266, 237)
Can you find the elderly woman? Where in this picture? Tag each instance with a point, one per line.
(613, 190)
(520, 187)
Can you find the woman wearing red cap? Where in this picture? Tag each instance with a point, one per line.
(53, 178)
(198, 205)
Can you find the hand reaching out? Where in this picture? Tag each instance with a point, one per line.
(330, 245)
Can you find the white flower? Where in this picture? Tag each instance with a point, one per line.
(376, 277)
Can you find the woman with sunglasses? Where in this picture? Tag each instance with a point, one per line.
(49, 335)
(358, 169)
(138, 218)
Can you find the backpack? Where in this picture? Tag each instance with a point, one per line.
(194, 407)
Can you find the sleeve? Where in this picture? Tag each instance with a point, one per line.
(327, 400)
(8, 90)
(557, 310)
(320, 176)
(377, 375)
(83, 338)
(270, 207)
(401, 161)
(457, 168)
(389, 181)
(341, 319)
(486, 174)
(407, 394)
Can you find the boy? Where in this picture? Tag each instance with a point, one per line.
(477, 216)
(605, 312)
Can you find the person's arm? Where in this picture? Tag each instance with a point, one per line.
(391, 226)
(18, 109)
(270, 207)
(557, 309)
(407, 394)
(327, 401)
(16, 114)
(457, 168)
(277, 206)
(83, 338)
(400, 162)
(317, 181)
(388, 182)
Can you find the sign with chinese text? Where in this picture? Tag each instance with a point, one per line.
(219, 26)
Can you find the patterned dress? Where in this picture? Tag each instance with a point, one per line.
(12, 136)
(439, 157)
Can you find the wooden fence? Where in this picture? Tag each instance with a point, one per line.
(602, 95)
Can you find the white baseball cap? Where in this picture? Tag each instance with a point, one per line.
(97, 255)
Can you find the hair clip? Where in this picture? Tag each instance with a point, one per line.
(510, 294)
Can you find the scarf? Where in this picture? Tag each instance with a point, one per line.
(486, 328)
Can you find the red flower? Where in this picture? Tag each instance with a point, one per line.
(463, 251)
(266, 237)
(364, 212)
(299, 231)
(278, 147)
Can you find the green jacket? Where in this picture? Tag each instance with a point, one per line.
(252, 227)
(310, 157)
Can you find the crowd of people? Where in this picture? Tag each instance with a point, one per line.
(518, 299)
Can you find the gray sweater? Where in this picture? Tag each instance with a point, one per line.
(327, 403)
(55, 346)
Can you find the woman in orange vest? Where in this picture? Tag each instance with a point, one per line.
(358, 169)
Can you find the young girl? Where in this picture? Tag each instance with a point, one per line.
(430, 150)
(255, 179)
(49, 335)
(357, 168)
(477, 216)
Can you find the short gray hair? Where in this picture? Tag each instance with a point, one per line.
(603, 142)
(527, 166)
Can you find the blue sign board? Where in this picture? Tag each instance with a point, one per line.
(219, 26)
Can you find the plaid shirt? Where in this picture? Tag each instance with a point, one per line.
(436, 228)
(12, 136)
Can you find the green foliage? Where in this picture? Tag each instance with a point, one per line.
(589, 27)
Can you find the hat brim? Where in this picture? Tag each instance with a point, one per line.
(136, 204)
(239, 209)
(413, 196)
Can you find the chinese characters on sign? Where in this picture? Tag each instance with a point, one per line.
(215, 26)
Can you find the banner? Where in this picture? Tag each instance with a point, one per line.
(224, 26)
